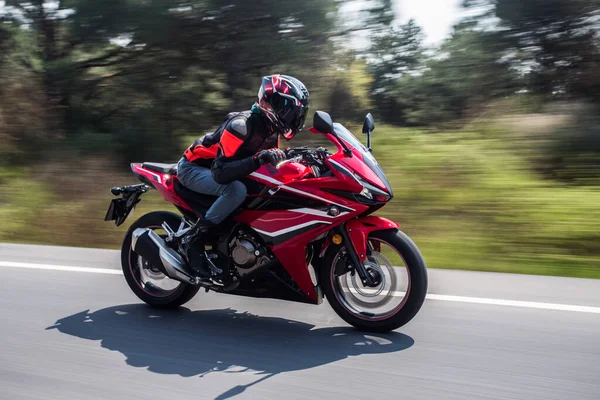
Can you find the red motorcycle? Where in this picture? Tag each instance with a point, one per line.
(305, 231)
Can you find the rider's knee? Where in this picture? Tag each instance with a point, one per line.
(237, 189)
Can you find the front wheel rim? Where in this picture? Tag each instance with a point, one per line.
(383, 301)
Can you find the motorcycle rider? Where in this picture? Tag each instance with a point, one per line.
(245, 141)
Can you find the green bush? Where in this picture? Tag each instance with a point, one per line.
(573, 153)
(470, 202)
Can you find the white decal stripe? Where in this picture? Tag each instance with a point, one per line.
(266, 178)
(294, 190)
(318, 213)
(291, 228)
(152, 173)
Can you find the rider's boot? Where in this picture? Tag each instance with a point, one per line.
(196, 257)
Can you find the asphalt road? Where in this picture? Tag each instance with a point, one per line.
(82, 335)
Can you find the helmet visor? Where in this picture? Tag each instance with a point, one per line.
(292, 113)
(296, 122)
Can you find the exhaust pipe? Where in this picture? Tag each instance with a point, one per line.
(153, 248)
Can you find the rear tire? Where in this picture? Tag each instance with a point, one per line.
(129, 259)
(414, 298)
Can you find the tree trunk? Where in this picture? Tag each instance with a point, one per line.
(56, 99)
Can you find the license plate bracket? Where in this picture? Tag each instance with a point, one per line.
(120, 209)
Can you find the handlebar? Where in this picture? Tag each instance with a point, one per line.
(312, 157)
(289, 160)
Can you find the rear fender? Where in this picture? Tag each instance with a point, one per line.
(359, 230)
(163, 183)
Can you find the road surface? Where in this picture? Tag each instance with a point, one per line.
(71, 329)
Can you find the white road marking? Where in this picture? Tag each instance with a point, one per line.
(515, 303)
(10, 264)
(498, 302)
(440, 297)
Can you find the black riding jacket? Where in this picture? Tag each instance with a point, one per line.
(230, 151)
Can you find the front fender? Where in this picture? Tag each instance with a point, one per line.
(359, 230)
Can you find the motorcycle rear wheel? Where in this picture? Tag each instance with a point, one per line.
(151, 286)
(369, 309)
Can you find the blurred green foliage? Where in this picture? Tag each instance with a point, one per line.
(491, 139)
(466, 198)
(470, 202)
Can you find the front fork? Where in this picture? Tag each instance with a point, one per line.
(355, 260)
(355, 236)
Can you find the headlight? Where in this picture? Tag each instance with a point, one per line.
(366, 193)
(369, 191)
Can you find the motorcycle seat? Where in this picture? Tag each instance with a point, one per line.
(162, 168)
(200, 202)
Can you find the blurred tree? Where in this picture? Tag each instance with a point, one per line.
(367, 17)
(5, 41)
(131, 70)
(349, 97)
(571, 152)
(555, 40)
(474, 66)
(380, 15)
(21, 95)
(72, 38)
(251, 39)
(424, 100)
(394, 53)
(469, 69)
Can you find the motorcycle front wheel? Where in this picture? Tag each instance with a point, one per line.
(400, 268)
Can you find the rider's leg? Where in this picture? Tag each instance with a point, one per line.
(230, 197)
(200, 180)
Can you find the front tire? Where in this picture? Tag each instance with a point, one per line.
(359, 312)
(145, 282)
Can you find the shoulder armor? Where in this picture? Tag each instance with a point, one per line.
(239, 126)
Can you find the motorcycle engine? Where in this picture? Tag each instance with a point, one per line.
(247, 253)
(243, 253)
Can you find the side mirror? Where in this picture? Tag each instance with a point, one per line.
(323, 122)
(368, 127)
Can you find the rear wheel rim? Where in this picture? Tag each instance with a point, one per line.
(148, 278)
(381, 302)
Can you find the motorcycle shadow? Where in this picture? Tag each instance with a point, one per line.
(191, 343)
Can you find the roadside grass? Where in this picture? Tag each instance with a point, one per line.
(470, 202)
(467, 198)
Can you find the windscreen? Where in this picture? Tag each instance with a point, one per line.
(369, 160)
(349, 138)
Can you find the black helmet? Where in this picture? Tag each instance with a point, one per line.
(285, 101)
